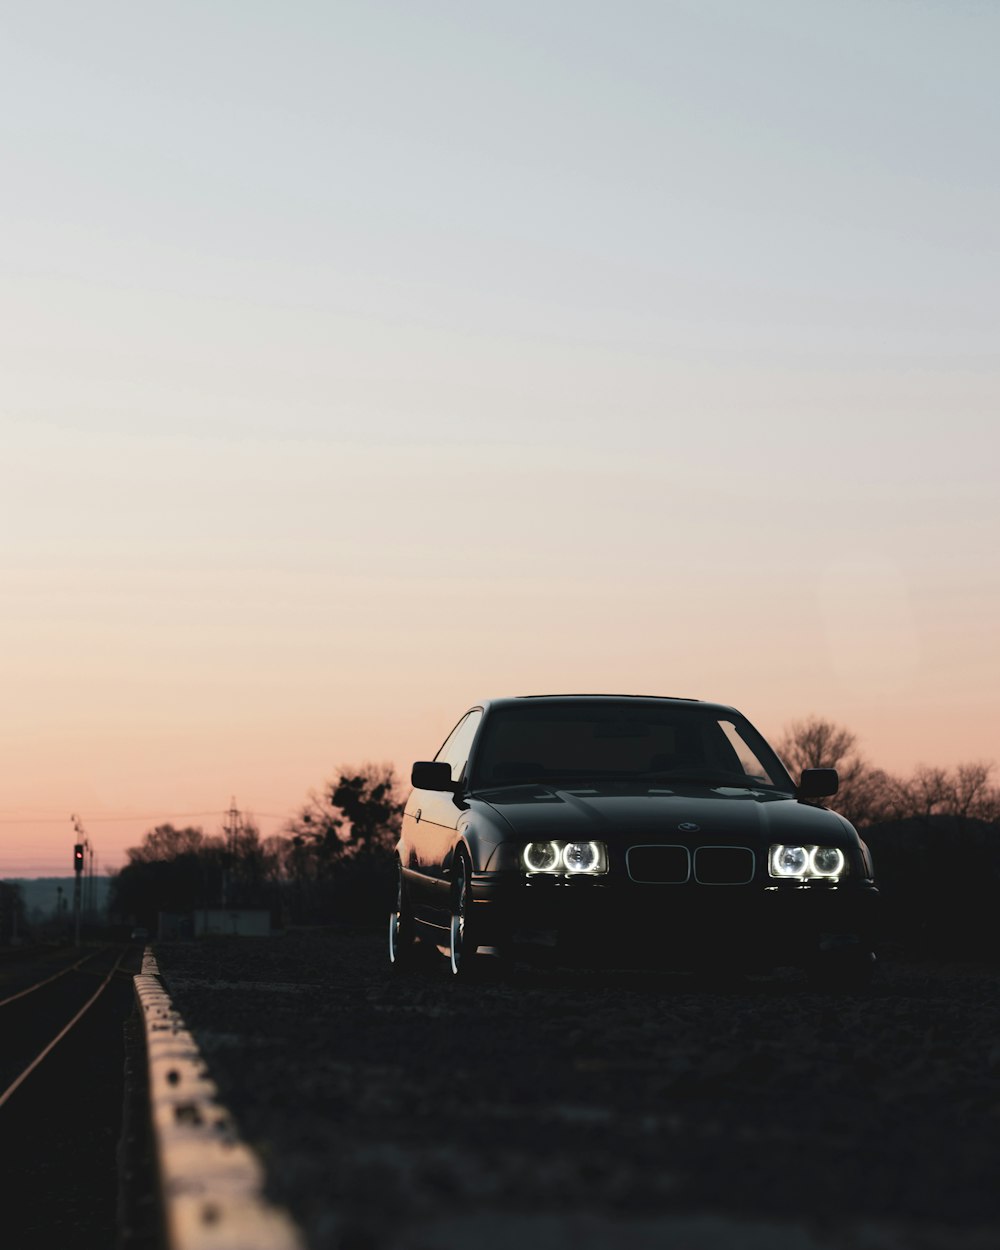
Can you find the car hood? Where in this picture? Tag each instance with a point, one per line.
(754, 818)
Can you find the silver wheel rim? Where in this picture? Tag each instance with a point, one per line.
(395, 920)
(393, 937)
(457, 942)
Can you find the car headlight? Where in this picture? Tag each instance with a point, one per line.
(543, 856)
(566, 858)
(827, 861)
(584, 857)
(802, 863)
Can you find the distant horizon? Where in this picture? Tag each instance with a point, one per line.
(272, 824)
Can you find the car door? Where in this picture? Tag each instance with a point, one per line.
(435, 815)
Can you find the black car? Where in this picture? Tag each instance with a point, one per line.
(629, 829)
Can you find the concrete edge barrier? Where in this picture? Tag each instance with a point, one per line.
(211, 1182)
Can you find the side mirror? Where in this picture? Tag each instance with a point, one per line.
(432, 775)
(817, 783)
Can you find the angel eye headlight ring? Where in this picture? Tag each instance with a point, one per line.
(584, 857)
(542, 856)
(826, 861)
(788, 861)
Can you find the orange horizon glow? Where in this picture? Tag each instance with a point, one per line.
(37, 841)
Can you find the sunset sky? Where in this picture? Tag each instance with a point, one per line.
(361, 360)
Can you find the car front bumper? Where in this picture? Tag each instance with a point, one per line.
(763, 921)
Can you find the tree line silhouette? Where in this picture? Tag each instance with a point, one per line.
(331, 865)
(934, 837)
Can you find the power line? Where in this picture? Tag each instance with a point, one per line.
(104, 820)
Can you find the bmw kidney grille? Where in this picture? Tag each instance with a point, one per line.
(723, 865)
(676, 865)
(659, 865)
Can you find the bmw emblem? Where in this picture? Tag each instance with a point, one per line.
(688, 826)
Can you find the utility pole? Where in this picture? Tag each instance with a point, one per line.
(231, 829)
(91, 884)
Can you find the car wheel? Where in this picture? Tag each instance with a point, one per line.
(402, 937)
(462, 949)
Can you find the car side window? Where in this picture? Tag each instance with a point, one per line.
(444, 753)
(747, 758)
(456, 750)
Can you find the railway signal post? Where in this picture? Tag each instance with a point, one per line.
(77, 873)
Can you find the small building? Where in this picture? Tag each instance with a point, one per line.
(232, 922)
(182, 926)
(175, 926)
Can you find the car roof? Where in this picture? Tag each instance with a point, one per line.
(513, 700)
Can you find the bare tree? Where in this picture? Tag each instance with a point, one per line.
(866, 794)
(817, 743)
(963, 793)
(971, 793)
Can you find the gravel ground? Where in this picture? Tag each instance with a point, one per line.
(559, 1108)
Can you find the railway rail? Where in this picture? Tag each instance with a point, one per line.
(211, 1182)
(37, 985)
(22, 1037)
(61, 1083)
(173, 1173)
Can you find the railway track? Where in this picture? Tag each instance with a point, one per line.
(28, 1026)
(61, 1061)
(61, 972)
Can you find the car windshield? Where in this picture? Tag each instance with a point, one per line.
(578, 742)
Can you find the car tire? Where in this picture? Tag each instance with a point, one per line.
(402, 930)
(461, 945)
